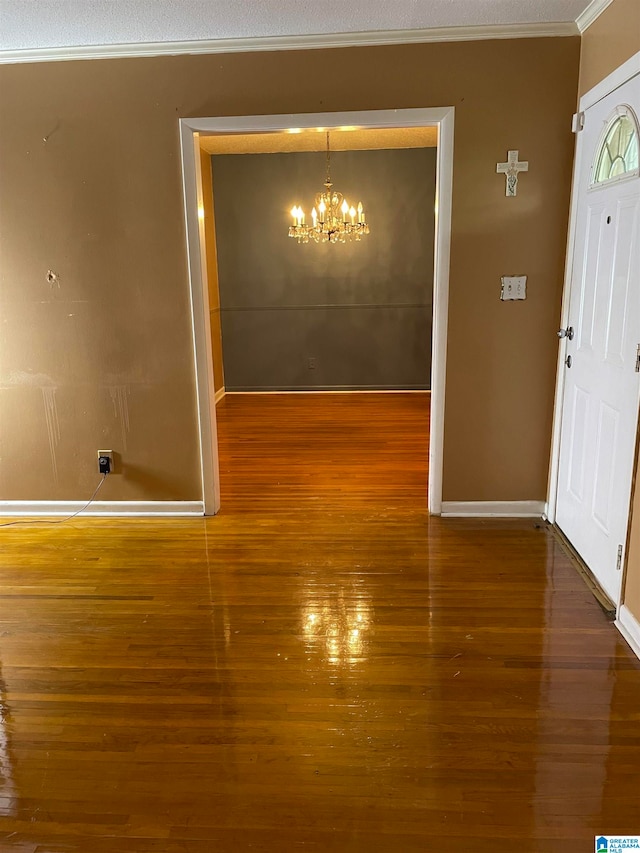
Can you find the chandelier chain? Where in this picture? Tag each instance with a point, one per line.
(328, 181)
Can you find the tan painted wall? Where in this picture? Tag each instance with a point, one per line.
(100, 203)
(612, 39)
(212, 269)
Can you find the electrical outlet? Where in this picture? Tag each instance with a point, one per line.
(105, 461)
(311, 363)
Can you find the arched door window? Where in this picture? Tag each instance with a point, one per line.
(617, 153)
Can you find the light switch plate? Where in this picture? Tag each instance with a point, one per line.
(513, 287)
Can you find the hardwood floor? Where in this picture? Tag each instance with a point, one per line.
(321, 667)
(287, 452)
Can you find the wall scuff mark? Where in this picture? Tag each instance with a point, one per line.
(35, 380)
(119, 395)
(53, 426)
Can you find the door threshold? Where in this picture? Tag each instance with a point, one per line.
(584, 571)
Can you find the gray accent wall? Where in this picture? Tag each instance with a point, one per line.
(354, 315)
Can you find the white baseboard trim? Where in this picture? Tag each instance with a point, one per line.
(629, 627)
(220, 394)
(493, 509)
(344, 390)
(112, 509)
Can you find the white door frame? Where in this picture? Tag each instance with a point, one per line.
(616, 79)
(442, 118)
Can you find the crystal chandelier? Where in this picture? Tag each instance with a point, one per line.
(333, 220)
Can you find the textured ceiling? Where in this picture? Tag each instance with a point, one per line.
(66, 23)
(313, 140)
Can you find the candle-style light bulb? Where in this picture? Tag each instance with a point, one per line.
(360, 212)
(294, 213)
(345, 210)
(321, 209)
(314, 216)
(352, 214)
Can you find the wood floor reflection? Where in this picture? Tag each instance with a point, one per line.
(321, 667)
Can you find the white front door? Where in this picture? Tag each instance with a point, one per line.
(600, 402)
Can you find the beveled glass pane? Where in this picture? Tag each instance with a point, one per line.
(619, 152)
(604, 166)
(617, 168)
(631, 154)
(613, 137)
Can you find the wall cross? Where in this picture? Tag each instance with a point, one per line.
(510, 170)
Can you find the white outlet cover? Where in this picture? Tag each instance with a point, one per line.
(513, 287)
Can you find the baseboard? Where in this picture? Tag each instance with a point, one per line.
(493, 509)
(113, 509)
(332, 389)
(629, 627)
(219, 394)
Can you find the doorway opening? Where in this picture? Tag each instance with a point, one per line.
(269, 131)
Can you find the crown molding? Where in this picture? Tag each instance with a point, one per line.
(593, 11)
(299, 42)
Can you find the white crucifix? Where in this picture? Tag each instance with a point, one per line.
(510, 170)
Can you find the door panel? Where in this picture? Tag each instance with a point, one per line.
(592, 249)
(626, 225)
(578, 441)
(600, 402)
(606, 442)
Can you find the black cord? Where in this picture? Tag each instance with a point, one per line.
(58, 520)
